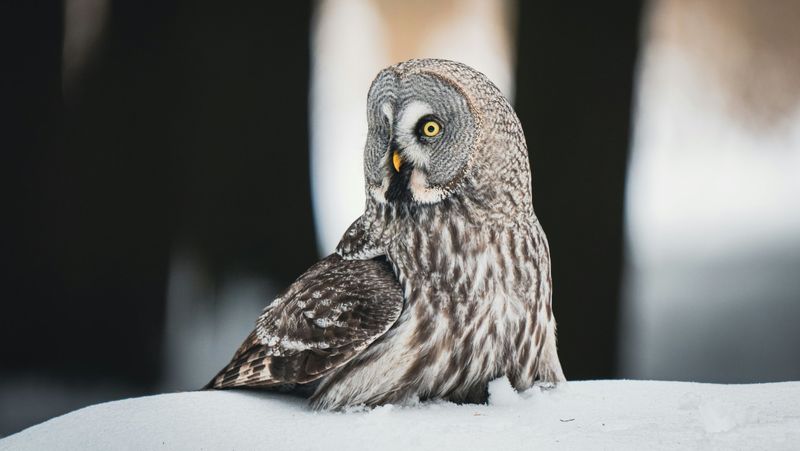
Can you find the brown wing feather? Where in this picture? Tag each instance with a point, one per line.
(324, 319)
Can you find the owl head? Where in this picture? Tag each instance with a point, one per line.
(439, 129)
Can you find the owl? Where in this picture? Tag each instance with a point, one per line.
(443, 283)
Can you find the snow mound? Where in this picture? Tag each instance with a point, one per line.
(580, 415)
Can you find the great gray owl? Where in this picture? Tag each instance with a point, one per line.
(443, 284)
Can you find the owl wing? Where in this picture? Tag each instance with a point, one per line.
(324, 319)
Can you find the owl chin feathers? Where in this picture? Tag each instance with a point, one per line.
(408, 186)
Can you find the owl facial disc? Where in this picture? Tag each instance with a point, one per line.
(421, 134)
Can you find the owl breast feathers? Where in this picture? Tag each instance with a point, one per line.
(443, 284)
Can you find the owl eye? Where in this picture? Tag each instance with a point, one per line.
(429, 127)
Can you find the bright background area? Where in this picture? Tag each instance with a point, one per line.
(713, 222)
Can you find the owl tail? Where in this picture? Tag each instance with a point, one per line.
(249, 367)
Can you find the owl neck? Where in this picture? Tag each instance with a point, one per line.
(385, 223)
(478, 204)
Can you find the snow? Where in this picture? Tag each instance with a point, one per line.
(611, 414)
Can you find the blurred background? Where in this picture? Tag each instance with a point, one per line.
(170, 166)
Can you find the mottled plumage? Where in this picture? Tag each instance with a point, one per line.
(443, 284)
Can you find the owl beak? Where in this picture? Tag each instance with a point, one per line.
(397, 161)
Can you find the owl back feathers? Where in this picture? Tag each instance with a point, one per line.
(325, 318)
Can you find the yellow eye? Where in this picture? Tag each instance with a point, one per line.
(431, 128)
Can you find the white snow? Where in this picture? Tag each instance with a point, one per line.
(612, 414)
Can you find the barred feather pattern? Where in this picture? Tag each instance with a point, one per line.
(478, 306)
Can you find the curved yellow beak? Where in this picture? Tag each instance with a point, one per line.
(396, 160)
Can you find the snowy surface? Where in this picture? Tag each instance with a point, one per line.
(581, 415)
